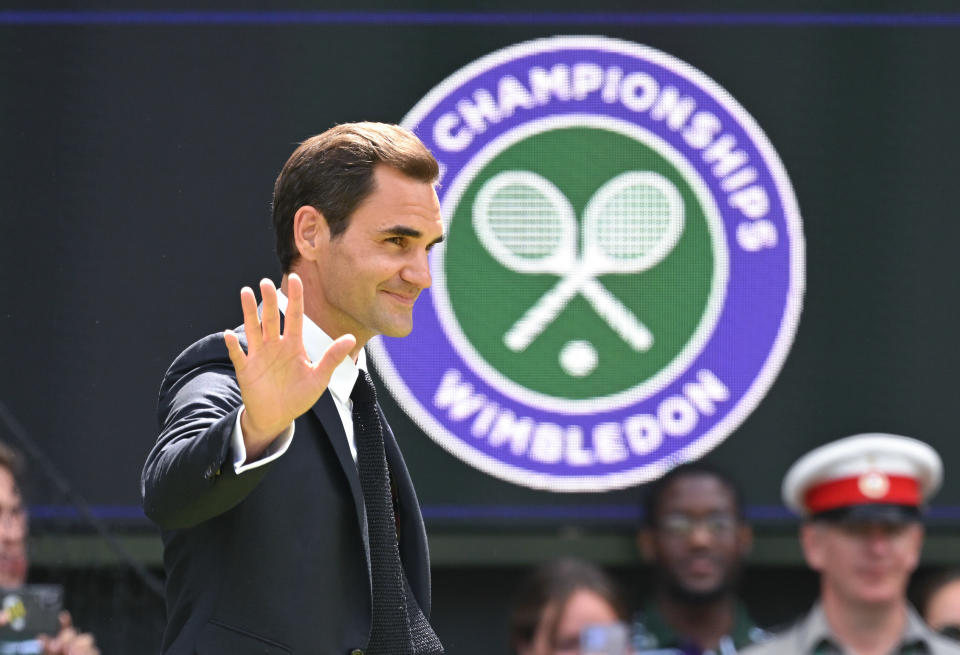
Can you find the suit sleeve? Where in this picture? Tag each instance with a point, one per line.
(189, 476)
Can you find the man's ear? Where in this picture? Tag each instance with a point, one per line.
(744, 538)
(310, 232)
(646, 546)
(812, 545)
(916, 532)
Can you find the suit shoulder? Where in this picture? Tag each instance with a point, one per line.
(208, 352)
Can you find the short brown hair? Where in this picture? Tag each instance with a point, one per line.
(12, 461)
(333, 173)
(552, 584)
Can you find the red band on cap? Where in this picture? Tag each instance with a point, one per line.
(849, 491)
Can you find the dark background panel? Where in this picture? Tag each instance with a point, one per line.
(139, 162)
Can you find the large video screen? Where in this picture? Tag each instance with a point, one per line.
(669, 235)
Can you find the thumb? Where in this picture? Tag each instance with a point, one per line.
(65, 619)
(333, 356)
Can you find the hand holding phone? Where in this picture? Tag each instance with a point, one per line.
(26, 613)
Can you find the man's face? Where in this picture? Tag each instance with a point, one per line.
(13, 533)
(863, 563)
(698, 543)
(371, 274)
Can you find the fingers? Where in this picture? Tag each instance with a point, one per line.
(237, 356)
(265, 327)
(68, 641)
(61, 644)
(270, 319)
(293, 318)
(82, 644)
(251, 322)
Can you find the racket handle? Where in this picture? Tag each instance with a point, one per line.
(617, 316)
(536, 319)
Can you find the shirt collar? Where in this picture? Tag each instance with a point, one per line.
(316, 342)
(815, 629)
(916, 630)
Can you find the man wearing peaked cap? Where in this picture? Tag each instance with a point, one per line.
(860, 499)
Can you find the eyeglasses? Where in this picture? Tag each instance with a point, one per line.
(718, 524)
(13, 519)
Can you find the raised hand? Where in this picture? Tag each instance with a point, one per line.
(68, 641)
(277, 381)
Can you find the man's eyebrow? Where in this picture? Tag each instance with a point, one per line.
(404, 231)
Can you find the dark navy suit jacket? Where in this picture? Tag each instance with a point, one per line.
(276, 559)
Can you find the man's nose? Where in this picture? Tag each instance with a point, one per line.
(12, 527)
(417, 270)
(878, 540)
(700, 534)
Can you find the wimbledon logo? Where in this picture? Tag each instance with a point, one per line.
(623, 270)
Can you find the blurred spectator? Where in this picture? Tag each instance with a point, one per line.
(860, 499)
(556, 602)
(940, 603)
(14, 562)
(696, 539)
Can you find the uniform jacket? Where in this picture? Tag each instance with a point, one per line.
(812, 636)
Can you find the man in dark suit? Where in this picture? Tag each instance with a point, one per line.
(272, 539)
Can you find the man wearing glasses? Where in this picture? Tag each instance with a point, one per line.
(860, 500)
(695, 537)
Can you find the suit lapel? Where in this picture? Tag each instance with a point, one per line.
(413, 537)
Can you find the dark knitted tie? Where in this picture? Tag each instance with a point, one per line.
(397, 625)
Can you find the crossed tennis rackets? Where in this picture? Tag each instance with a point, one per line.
(630, 224)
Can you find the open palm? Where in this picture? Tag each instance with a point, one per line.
(278, 382)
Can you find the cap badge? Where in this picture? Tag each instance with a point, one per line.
(874, 484)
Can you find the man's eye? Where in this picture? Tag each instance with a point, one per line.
(677, 523)
(720, 523)
(398, 240)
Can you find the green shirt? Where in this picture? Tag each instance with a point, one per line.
(651, 634)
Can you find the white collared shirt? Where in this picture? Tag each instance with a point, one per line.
(315, 342)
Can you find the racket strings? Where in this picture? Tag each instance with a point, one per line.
(525, 222)
(634, 222)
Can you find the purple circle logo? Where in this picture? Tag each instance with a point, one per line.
(622, 276)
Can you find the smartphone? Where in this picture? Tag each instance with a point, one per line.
(613, 639)
(26, 612)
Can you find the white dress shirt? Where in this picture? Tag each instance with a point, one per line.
(315, 342)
